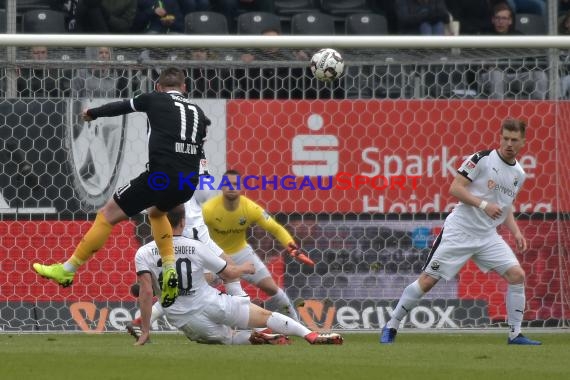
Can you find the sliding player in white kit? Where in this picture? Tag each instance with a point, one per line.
(486, 186)
(195, 228)
(203, 313)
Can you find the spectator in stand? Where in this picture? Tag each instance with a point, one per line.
(39, 81)
(524, 6)
(504, 78)
(158, 17)
(426, 17)
(105, 16)
(101, 81)
(473, 15)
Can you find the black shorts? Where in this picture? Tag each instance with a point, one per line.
(163, 191)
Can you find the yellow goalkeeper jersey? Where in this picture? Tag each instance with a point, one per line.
(228, 228)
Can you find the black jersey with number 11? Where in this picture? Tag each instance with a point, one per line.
(177, 129)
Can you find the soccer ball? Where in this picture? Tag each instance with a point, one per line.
(327, 65)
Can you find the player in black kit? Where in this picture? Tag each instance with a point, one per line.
(177, 130)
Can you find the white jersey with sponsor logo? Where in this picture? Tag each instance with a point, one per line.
(192, 257)
(493, 180)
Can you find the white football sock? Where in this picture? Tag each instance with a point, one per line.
(156, 312)
(515, 308)
(69, 267)
(240, 337)
(282, 324)
(285, 304)
(410, 298)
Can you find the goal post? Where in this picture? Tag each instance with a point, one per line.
(358, 170)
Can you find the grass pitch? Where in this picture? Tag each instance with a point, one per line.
(461, 356)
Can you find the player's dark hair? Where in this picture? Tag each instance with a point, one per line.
(171, 77)
(232, 172)
(176, 215)
(514, 125)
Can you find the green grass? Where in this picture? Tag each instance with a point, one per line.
(461, 356)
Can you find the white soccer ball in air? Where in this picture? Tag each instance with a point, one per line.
(327, 65)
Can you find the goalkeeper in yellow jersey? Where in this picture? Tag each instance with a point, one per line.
(228, 217)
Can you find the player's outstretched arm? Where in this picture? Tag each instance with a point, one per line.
(145, 304)
(121, 107)
(231, 271)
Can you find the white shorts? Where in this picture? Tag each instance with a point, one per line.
(215, 323)
(247, 254)
(450, 254)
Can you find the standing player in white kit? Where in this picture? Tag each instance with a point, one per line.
(486, 186)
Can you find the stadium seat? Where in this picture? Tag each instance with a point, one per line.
(343, 8)
(205, 23)
(257, 22)
(2, 21)
(22, 6)
(291, 7)
(312, 23)
(366, 24)
(43, 21)
(530, 24)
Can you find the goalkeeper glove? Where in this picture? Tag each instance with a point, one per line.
(297, 254)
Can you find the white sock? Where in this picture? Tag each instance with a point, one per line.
(410, 298)
(515, 308)
(241, 337)
(285, 304)
(156, 312)
(234, 289)
(69, 267)
(282, 324)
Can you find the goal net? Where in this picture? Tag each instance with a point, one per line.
(406, 117)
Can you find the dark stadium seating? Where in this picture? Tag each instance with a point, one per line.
(205, 23)
(2, 21)
(343, 8)
(291, 7)
(312, 23)
(530, 24)
(43, 21)
(366, 24)
(257, 22)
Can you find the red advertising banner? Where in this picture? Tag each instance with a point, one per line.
(381, 155)
(107, 276)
